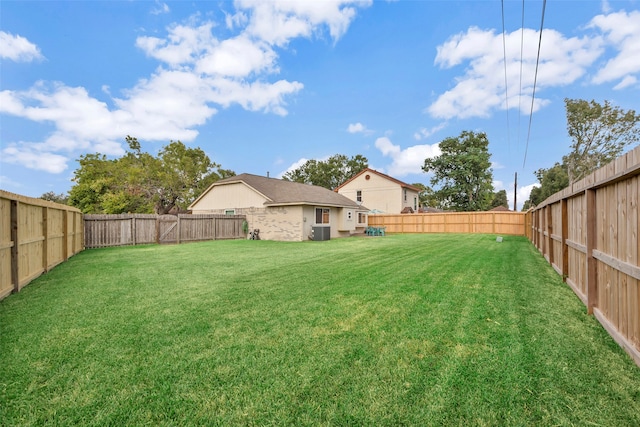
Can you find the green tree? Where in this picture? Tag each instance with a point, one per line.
(92, 181)
(499, 199)
(56, 198)
(551, 181)
(599, 133)
(462, 173)
(142, 183)
(328, 173)
(427, 196)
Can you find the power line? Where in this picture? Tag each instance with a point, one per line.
(506, 87)
(535, 79)
(521, 62)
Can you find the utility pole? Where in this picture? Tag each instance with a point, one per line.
(515, 194)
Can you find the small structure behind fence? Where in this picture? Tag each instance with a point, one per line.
(510, 223)
(137, 229)
(35, 236)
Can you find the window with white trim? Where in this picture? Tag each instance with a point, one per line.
(322, 215)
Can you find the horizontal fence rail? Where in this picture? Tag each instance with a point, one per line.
(589, 234)
(35, 236)
(510, 223)
(137, 229)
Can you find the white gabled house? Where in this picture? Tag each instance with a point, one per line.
(380, 192)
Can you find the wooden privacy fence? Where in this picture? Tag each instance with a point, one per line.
(589, 234)
(35, 236)
(512, 223)
(138, 229)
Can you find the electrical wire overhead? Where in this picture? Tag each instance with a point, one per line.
(506, 87)
(535, 80)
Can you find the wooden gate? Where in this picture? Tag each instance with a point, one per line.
(167, 229)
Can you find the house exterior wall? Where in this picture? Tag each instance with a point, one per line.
(411, 200)
(340, 225)
(283, 223)
(230, 196)
(381, 194)
(377, 193)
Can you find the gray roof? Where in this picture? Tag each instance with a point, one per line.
(280, 192)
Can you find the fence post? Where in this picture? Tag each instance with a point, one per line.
(552, 257)
(45, 242)
(15, 252)
(565, 236)
(67, 236)
(591, 230)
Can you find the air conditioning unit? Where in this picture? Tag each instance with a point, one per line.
(321, 233)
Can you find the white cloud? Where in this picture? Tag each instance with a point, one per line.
(626, 82)
(523, 195)
(358, 128)
(33, 157)
(424, 133)
(480, 90)
(295, 165)
(18, 48)
(279, 21)
(160, 8)
(406, 161)
(236, 20)
(238, 57)
(622, 32)
(183, 45)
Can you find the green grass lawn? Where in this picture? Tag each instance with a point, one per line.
(396, 330)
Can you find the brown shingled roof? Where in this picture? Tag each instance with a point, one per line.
(281, 192)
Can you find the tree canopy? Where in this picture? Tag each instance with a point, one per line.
(551, 180)
(328, 173)
(53, 197)
(139, 182)
(462, 174)
(427, 196)
(499, 199)
(599, 134)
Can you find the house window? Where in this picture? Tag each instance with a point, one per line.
(349, 215)
(322, 216)
(415, 203)
(405, 194)
(362, 218)
(230, 212)
(359, 195)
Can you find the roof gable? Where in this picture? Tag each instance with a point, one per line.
(380, 174)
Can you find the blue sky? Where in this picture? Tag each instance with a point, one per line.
(264, 86)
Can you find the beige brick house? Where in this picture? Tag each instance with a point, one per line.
(380, 192)
(283, 210)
